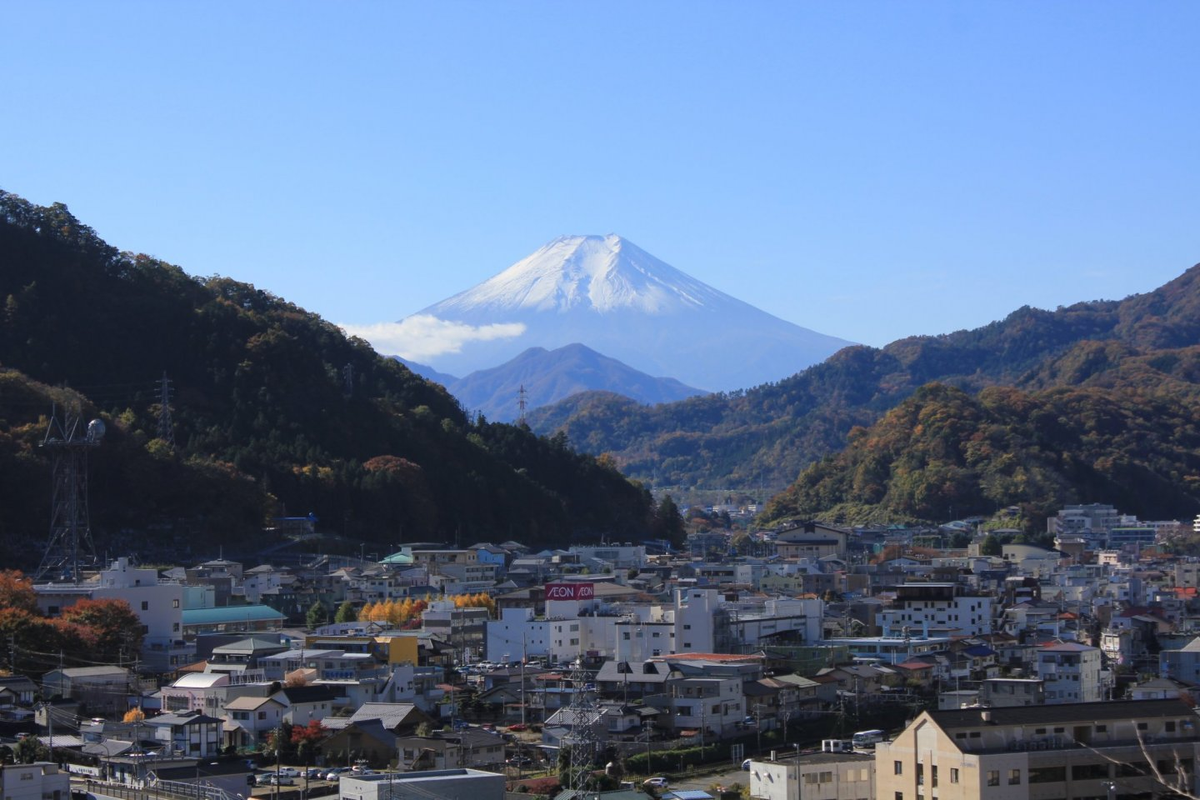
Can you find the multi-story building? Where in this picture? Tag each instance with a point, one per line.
(158, 604)
(1071, 672)
(941, 608)
(1079, 751)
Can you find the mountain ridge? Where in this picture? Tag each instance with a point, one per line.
(551, 375)
(766, 435)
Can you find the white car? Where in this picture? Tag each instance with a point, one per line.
(289, 772)
(658, 783)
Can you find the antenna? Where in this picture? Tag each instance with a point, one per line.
(70, 528)
(521, 404)
(166, 429)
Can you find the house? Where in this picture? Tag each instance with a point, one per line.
(16, 691)
(442, 750)
(399, 718)
(189, 733)
(249, 719)
(816, 776)
(1070, 751)
(103, 690)
(367, 739)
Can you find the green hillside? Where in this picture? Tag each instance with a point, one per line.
(944, 453)
(766, 435)
(275, 412)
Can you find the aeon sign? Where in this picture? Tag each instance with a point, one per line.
(570, 591)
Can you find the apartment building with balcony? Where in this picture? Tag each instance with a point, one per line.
(1124, 750)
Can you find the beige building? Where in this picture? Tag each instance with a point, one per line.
(819, 776)
(1080, 751)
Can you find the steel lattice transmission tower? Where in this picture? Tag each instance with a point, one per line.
(582, 740)
(521, 405)
(70, 545)
(166, 428)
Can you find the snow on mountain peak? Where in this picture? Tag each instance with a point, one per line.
(598, 273)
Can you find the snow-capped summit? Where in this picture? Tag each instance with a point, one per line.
(610, 295)
(600, 273)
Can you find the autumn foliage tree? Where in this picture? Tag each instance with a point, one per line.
(89, 632)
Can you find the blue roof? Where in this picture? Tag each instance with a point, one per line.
(226, 614)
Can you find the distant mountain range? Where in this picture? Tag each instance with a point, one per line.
(1146, 345)
(617, 299)
(552, 375)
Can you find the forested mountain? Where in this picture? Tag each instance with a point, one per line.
(765, 436)
(275, 411)
(551, 375)
(944, 453)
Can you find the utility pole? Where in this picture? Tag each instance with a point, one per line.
(524, 658)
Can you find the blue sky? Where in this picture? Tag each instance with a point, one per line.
(869, 170)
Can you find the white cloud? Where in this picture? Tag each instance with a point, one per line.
(424, 336)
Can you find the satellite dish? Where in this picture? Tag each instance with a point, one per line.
(96, 430)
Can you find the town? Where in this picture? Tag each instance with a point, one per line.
(808, 661)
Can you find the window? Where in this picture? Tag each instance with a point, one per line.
(897, 767)
(920, 774)
(262, 715)
(993, 777)
(899, 795)
(1170, 725)
(1047, 774)
(1014, 777)
(933, 775)
(145, 605)
(954, 774)
(1142, 726)
(1101, 728)
(826, 777)
(1089, 772)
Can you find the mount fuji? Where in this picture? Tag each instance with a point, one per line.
(610, 295)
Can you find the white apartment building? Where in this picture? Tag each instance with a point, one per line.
(518, 633)
(941, 608)
(158, 604)
(1071, 673)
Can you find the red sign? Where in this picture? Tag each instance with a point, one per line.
(570, 591)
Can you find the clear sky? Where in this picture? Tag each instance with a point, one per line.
(869, 170)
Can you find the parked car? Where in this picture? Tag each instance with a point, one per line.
(288, 772)
(658, 783)
(746, 765)
(336, 773)
(314, 773)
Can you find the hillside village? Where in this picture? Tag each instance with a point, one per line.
(809, 659)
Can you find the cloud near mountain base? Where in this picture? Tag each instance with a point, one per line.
(424, 336)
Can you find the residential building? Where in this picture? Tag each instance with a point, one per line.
(445, 784)
(1071, 672)
(1078, 751)
(816, 776)
(946, 609)
(40, 780)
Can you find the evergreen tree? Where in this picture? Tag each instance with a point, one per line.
(317, 615)
(345, 613)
